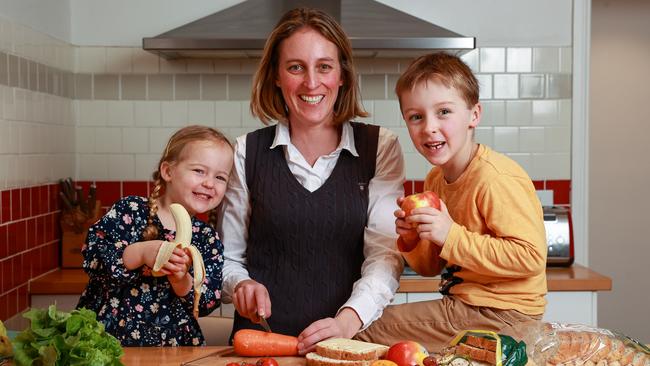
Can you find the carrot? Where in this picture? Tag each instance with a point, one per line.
(249, 342)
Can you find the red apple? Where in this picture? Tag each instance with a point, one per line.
(407, 353)
(417, 200)
(407, 242)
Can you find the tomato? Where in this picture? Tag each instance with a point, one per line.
(267, 361)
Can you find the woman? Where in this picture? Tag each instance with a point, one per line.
(307, 220)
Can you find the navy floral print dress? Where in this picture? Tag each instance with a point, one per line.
(136, 307)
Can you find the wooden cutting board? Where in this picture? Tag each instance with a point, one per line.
(225, 356)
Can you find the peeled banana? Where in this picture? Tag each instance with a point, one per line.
(182, 240)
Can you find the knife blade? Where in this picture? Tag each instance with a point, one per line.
(265, 324)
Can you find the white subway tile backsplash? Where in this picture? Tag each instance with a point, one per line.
(85, 141)
(545, 112)
(484, 135)
(368, 106)
(558, 85)
(385, 66)
(91, 60)
(249, 65)
(519, 59)
(558, 139)
(227, 114)
(121, 165)
(118, 60)
(145, 165)
(386, 113)
(108, 140)
(524, 160)
(4, 170)
(546, 59)
(92, 167)
(416, 166)
(531, 139)
(247, 119)
(9, 102)
(158, 138)
(120, 113)
(200, 66)
(506, 139)
(227, 66)
(506, 86)
(172, 66)
(144, 62)
(493, 59)
(404, 139)
(531, 86)
(494, 113)
(551, 166)
(201, 113)
(135, 140)
(519, 112)
(564, 117)
(545, 196)
(147, 113)
(92, 112)
(174, 113)
(485, 86)
(471, 59)
(566, 60)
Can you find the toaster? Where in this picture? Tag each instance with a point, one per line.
(559, 236)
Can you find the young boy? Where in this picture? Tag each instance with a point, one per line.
(488, 237)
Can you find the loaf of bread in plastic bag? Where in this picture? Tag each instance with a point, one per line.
(556, 344)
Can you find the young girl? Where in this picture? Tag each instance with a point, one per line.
(136, 307)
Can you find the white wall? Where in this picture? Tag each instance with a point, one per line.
(619, 177)
(126, 22)
(50, 16)
(498, 22)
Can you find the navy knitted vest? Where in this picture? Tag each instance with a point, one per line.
(306, 247)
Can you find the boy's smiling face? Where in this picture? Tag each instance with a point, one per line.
(441, 125)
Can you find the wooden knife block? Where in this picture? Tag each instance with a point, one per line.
(71, 241)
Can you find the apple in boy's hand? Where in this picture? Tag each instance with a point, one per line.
(408, 242)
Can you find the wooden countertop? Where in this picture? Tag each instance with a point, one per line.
(194, 356)
(574, 278)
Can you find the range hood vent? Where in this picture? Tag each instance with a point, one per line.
(375, 30)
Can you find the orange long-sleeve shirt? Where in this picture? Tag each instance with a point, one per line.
(497, 238)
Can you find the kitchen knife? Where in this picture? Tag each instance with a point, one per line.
(265, 324)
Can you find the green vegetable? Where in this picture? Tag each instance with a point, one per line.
(61, 338)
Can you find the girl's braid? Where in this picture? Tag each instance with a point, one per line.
(151, 231)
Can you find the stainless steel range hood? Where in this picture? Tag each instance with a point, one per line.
(376, 30)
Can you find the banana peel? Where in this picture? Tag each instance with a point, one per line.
(183, 240)
(6, 350)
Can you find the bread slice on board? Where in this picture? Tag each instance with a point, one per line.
(314, 359)
(349, 349)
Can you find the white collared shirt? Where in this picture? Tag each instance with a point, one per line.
(383, 264)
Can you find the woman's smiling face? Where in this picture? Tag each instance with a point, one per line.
(309, 75)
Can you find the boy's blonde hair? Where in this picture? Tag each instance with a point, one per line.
(442, 67)
(267, 102)
(172, 154)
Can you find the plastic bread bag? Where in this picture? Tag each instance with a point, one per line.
(576, 345)
(481, 347)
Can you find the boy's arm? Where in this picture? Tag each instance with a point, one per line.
(425, 259)
(516, 243)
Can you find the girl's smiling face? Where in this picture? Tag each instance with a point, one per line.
(440, 125)
(309, 75)
(199, 178)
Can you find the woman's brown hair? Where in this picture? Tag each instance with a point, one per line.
(179, 140)
(267, 102)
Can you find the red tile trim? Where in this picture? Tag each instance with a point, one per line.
(539, 184)
(418, 186)
(408, 187)
(561, 191)
(5, 210)
(135, 189)
(15, 205)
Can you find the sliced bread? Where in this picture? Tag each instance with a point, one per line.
(314, 359)
(349, 349)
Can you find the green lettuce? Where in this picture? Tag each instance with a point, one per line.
(61, 338)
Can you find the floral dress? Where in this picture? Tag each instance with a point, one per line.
(136, 307)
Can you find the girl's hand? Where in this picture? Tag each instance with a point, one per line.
(433, 224)
(252, 300)
(345, 325)
(178, 265)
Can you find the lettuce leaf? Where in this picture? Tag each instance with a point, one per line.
(61, 338)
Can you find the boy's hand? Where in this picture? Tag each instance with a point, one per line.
(433, 224)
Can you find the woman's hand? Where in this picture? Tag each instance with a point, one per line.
(433, 224)
(251, 299)
(345, 325)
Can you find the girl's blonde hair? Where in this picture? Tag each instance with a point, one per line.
(267, 102)
(172, 154)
